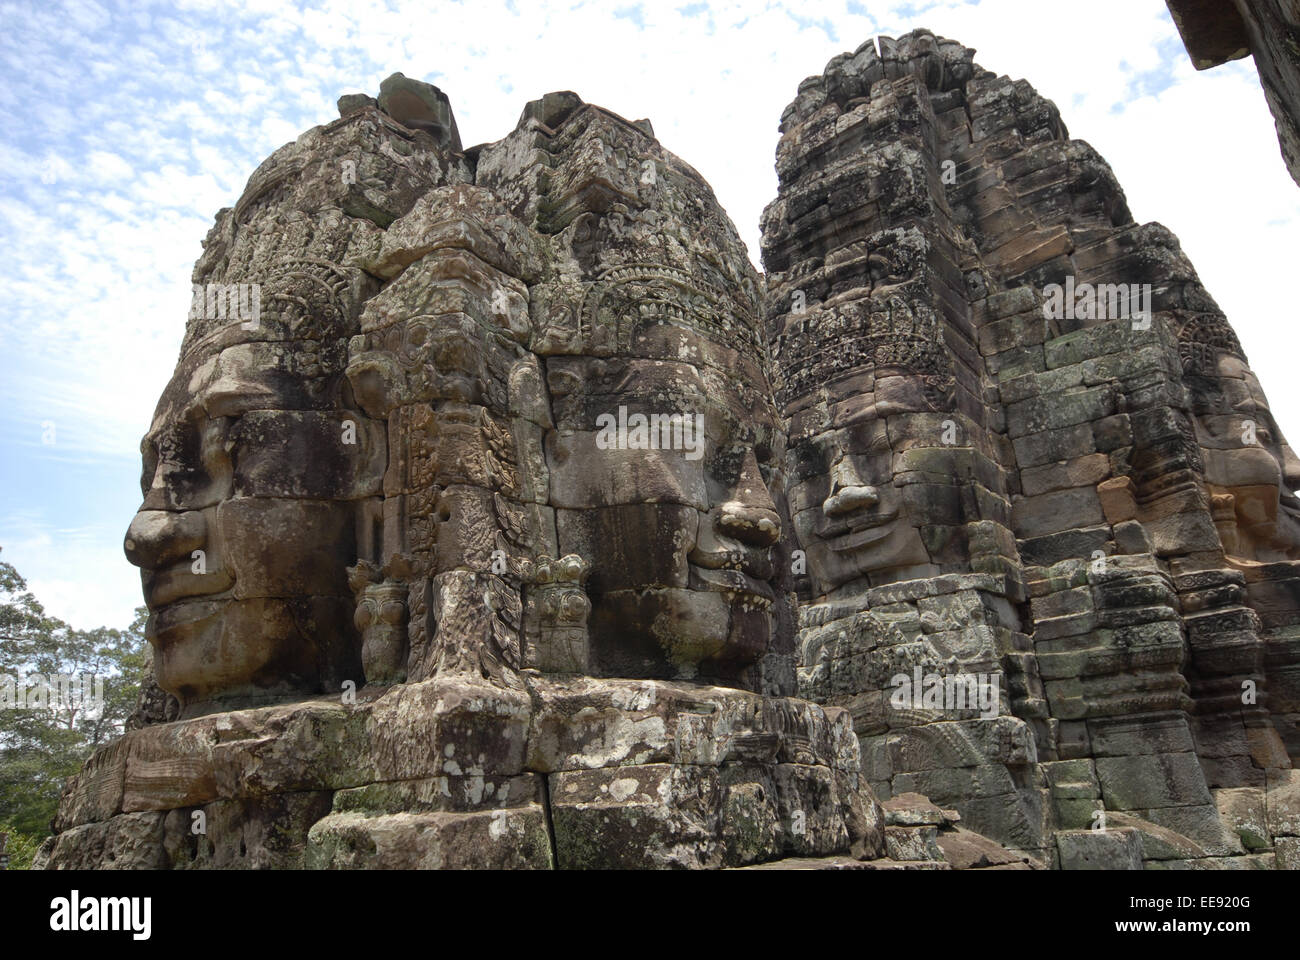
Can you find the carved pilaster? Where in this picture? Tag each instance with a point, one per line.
(558, 607)
(381, 618)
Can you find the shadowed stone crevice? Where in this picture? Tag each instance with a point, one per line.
(550, 821)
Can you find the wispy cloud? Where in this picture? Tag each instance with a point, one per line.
(126, 125)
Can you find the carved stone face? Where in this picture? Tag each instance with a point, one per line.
(679, 526)
(1245, 457)
(850, 517)
(258, 462)
(252, 470)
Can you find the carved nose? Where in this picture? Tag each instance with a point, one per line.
(850, 499)
(755, 526)
(157, 538)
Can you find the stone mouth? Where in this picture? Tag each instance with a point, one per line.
(857, 531)
(178, 583)
(730, 580)
(754, 561)
(179, 614)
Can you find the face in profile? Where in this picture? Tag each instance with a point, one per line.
(1246, 458)
(253, 469)
(680, 528)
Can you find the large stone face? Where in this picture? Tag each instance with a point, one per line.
(500, 514)
(505, 426)
(900, 487)
(974, 342)
(665, 437)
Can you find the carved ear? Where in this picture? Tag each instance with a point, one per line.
(585, 227)
(526, 393)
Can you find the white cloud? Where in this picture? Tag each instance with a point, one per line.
(142, 147)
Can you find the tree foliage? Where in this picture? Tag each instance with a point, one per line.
(42, 745)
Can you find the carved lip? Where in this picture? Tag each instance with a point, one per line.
(755, 561)
(730, 580)
(178, 583)
(858, 531)
(166, 620)
(860, 538)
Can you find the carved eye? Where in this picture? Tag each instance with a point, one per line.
(763, 456)
(811, 459)
(216, 443)
(180, 447)
(149, 466)
(453, 353)
(726, 464)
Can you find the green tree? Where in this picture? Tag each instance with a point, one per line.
(42, 745)
(20, 847)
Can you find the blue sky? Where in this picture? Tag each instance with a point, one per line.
(127, 125)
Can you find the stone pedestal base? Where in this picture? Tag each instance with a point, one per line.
(453, 772)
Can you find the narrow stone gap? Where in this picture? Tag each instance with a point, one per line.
(550, 823)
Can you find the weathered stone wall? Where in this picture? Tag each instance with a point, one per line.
(1106, 460)
(452, 773)
(526, 525)
(531, 620)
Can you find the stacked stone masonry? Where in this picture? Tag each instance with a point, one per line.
(932, 569)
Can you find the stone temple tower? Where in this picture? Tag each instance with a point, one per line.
(540, 530)
(1025, 442)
